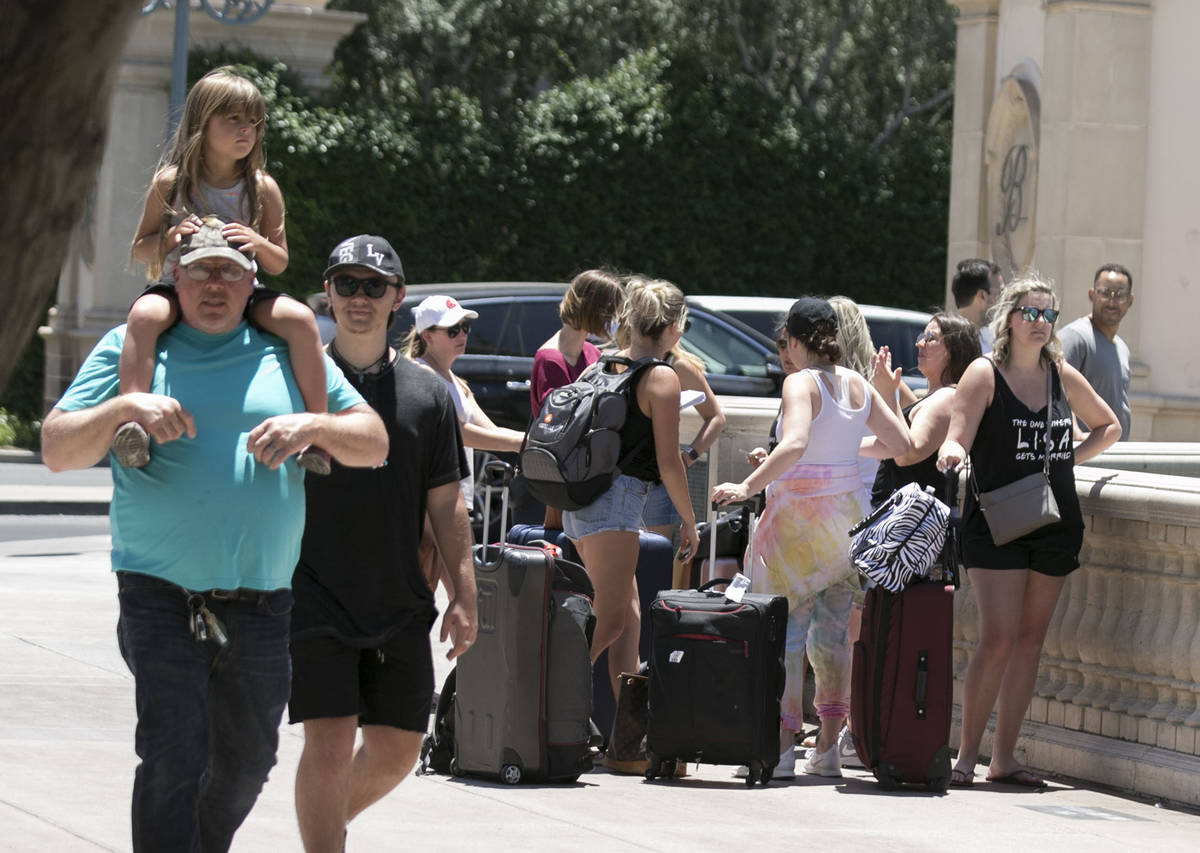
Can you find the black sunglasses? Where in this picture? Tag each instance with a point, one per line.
(346, 285)
(463, 328)
(1030, 314)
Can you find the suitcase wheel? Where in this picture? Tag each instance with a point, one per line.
(886, 780)
(755, 774)
(938, 785)
(654, 766)
(455, 770)
(510, 774)
(767, 775)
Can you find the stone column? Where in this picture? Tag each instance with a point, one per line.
(1094, 121)
(974, 87)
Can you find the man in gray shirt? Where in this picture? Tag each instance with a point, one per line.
(1092, 346)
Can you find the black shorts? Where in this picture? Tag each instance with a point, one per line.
(388, 686)
(1054, 553)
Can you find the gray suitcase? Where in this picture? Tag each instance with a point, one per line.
(523, 698)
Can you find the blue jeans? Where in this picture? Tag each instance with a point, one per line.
(208, 717)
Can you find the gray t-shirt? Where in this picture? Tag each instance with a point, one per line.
(1103, 363)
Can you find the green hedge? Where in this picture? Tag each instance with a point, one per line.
(705, 181)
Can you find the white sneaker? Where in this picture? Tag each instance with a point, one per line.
(824, 764)
(785, 769)
(847, 754)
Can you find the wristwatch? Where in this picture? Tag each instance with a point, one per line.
(691, 452)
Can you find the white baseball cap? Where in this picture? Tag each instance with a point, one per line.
(442, 311)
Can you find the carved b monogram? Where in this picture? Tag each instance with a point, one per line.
(1012, 176)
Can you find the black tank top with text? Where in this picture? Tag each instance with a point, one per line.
(1009, 445)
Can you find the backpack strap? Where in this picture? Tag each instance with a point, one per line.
(636, 368)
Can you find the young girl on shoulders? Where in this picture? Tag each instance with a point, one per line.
(215, 166)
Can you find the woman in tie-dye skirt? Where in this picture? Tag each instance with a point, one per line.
(814, 496)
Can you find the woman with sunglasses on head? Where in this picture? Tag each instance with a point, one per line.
(437, 338)
(945, 348)
(814, 495)
(999, 417)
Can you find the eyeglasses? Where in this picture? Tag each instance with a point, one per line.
(346, 285)
(928, 338)
(203, 272)
(1030, 314)
(1112, 295)
(463, 328)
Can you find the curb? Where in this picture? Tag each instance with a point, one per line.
(16, 454)
(52, 507)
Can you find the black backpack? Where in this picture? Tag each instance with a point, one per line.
(572, 450)
(437, 747)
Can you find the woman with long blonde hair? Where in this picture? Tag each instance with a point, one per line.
(999, 418)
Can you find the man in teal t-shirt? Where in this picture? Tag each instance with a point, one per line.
(205, 538)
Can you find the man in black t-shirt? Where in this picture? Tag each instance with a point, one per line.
(363, 609)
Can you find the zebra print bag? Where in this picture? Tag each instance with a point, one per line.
(902, 539)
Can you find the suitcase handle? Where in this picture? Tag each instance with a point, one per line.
(714, 582)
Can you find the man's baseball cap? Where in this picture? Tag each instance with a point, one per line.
(207, 242)
(442, 311)
(365, 250)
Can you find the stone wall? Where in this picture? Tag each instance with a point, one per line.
(1117, 700)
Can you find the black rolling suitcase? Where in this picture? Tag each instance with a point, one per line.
(523, 697)
(716, 680)
(902, 687)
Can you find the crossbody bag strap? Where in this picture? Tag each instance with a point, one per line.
(1049, 414)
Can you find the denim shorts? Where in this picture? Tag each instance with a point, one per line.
(659, 510)
(620, 508)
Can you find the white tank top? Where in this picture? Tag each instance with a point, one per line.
(837, 430)
(468, 412)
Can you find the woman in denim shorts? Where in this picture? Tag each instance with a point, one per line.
(606, 531)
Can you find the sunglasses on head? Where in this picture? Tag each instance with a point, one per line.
(203, 272)
(1030, 314)
(928, 337)
(463, 328)
(346, 285)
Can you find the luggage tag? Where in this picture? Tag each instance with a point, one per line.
(737, 588)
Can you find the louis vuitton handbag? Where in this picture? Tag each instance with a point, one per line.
(1026, 505)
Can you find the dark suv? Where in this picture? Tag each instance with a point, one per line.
(515, 318)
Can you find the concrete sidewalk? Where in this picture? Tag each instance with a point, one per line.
(66, 746)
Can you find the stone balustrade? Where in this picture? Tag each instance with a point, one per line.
(1117, 700)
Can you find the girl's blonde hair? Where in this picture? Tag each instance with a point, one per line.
(220, 92)
(413, 345)
(651, 306)
(853, 335)
(1010, 300)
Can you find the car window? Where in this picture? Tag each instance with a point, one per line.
(764, 322)
(531, 322)
(899, 336)
(720, 349)
(487, 329)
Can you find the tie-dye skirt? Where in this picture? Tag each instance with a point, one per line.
(801, 552)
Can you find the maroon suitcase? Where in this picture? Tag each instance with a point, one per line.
(902, 685)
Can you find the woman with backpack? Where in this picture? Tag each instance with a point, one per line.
(814, 496)
(606, 530)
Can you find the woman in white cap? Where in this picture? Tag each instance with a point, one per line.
(814, 495)
(438, 337)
